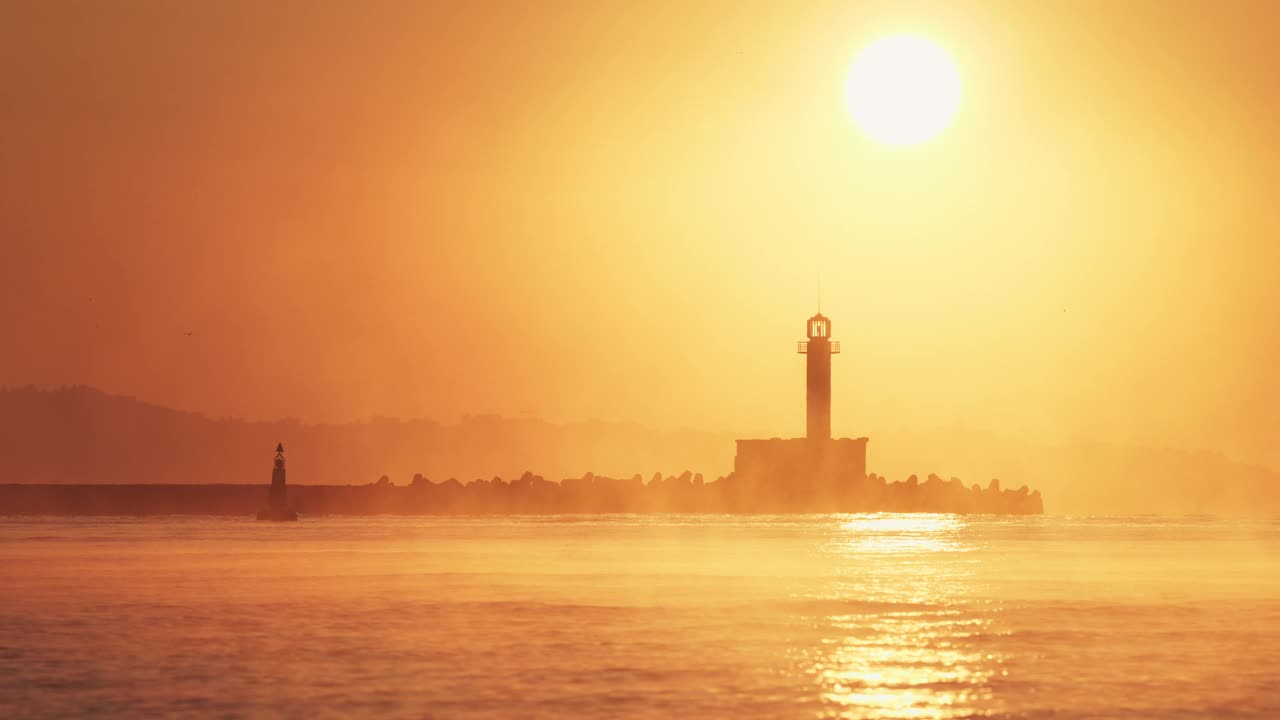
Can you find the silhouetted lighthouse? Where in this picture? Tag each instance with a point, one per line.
(819, 348)
(815, 473)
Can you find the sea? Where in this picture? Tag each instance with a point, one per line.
(640, 616)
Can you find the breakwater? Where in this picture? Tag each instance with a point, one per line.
(529, 494)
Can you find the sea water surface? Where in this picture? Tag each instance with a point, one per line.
(849, 616)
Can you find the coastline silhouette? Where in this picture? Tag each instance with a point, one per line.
(816, 473)
(79, 450)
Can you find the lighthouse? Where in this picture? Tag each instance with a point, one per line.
(815, 473)
(818, 348)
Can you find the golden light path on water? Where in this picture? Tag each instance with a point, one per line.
(910, 646)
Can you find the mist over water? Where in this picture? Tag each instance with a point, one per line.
(852, 616)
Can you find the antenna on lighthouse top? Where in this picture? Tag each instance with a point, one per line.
(819, 292)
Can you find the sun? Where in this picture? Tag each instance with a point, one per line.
(903, 90)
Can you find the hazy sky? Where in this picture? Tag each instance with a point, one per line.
(621, 210)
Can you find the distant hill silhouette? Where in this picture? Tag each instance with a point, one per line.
(82, 435)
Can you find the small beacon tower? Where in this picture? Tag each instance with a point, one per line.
(276, 496)
(819, 348)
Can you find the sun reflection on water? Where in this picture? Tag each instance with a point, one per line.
(901, 631)
(895, 534)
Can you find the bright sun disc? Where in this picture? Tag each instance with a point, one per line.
(903, 90)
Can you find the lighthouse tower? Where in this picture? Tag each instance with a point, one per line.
(276, 498)
(815, 473)
(819, 348)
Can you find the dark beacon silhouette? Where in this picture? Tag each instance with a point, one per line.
(276, 497)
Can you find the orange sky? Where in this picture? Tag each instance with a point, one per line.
(619, 211)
